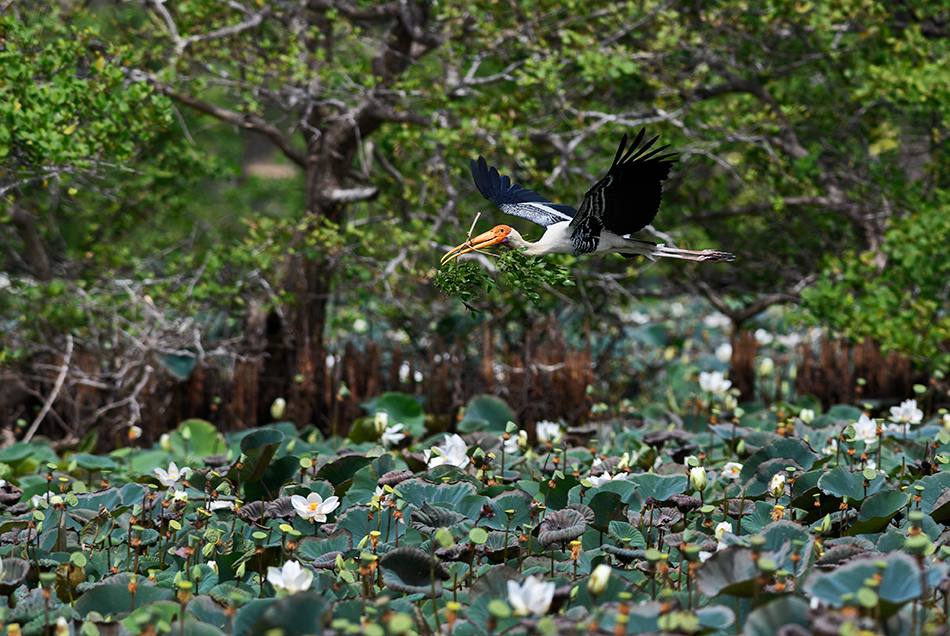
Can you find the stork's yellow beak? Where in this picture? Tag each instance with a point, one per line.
(494, 236)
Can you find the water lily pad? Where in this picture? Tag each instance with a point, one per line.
(561, 526)
(878, 510)
(730, 571)
(401, 409)
(841, 483)
(900, 581)
(412, 571)
(660, 487)
(767, 619)
(486, 413)
(791, 448)
(295, 615)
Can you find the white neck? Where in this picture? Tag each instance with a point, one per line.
(556, 240)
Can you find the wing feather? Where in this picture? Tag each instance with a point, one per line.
(512, 199)
(628, 198)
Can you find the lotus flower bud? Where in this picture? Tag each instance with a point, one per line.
(277, 408)
(697, 477)
(598, 580)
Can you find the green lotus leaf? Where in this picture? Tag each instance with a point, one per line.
(561, 526)
(486, 413)
(766, 619)
(877, 511)
(660, 487)
(729, 571)
(401, 409)
(790, 448)
(294, 615)
(259, 449)
(900, 581)
(841, 483)
(412, 571)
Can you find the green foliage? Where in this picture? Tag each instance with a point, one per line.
(896, 296)
(528, 275)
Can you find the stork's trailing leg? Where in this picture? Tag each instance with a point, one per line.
(703, 256)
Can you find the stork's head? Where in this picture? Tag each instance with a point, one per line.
(498, 235)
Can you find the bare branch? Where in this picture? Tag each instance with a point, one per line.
(250, 122)
(57, 387)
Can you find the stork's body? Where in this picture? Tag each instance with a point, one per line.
(625, 201)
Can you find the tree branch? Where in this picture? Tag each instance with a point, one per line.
(250, 122)
(35, 252)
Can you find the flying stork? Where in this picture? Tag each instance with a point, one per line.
(625, 201)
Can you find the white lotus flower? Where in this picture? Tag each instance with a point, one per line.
(516, 442)
(453, 451)
(717, 320)
(806, 415)
(766, 367)
(596, 480)
(724, 352)
(907, 413)
(777, 485)
(314, 507)
(731, 470)
(548, 432)
(531, 597)
(945, 420)
(219, 504)
(714, 382)
(290, 579)
(171, 476)
(865, 429)
(722, 529)
(392, 435)
(763, 337)
(791, 340)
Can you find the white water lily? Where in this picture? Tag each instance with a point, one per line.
(531, 597)
(548, 432)
(777, 485)
(453, 451)
(170, 477)
(314, 507)
(292, 578)
(791, 340)
(865, 429)
(721, 529)
(392, 435)
(731, 470)
(724, 352)
(516, 442)
(717, 320)
(596, 480)
(907, 413)
(763, 337)
(714, 382)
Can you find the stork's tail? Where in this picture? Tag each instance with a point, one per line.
(702, 256)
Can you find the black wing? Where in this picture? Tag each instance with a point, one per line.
(627, 199)
(512, 199)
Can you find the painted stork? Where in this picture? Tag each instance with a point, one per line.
(625, 201)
